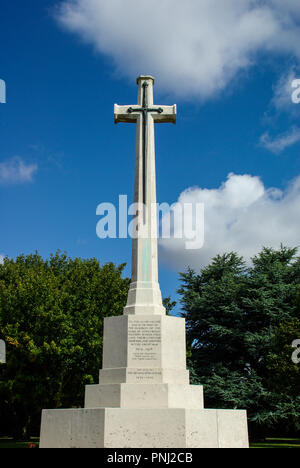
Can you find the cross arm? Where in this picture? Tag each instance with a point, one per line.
(168, 114)
(160, 114)
(121, 114)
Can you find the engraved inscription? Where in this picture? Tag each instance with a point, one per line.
(144, 340)
(144, 374)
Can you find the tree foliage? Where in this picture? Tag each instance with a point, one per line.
(51, 318)
(241, 322)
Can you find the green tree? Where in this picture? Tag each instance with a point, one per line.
(169, 305)
(233, 313)
(284, 373)
(51, 317)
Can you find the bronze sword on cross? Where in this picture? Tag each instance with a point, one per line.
(145, 109)
(159, 114)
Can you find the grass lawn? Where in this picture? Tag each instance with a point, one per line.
(277, 443)
(6, 442)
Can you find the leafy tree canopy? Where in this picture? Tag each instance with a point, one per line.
(241, 321)
(51, 317)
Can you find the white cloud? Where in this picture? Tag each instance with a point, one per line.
(1, 259)
(241, 215)
(278, 144)
(194, 47)
(283, 90)
(16, 171)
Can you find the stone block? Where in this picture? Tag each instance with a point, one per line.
(141, 396)
(144, 349)
(144, 428)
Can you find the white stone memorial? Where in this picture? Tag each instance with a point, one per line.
(143, 399)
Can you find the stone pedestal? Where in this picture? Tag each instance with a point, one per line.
(144, 428)
(143, 398)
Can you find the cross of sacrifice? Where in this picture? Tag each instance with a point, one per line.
(144, 295)
(145, 114)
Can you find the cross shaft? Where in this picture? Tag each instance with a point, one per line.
(130, 114)
(144, 295)
(144, 110)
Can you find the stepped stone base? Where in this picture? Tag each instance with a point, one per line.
(144, 428)
(143, 399)
(143, 396)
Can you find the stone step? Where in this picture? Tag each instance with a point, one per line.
(144, 375)
(144, 428)
(144, 396)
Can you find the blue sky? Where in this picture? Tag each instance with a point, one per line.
(61, 154)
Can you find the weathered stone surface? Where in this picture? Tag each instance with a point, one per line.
(144, 396)
(144, 349)
(144, 296)
(144, 428)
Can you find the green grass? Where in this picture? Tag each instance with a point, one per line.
(6, 442)
(277, 443)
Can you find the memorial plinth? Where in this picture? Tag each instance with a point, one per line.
(143, 399)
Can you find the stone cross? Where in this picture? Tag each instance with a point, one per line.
(144, 295)
(143, 399)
